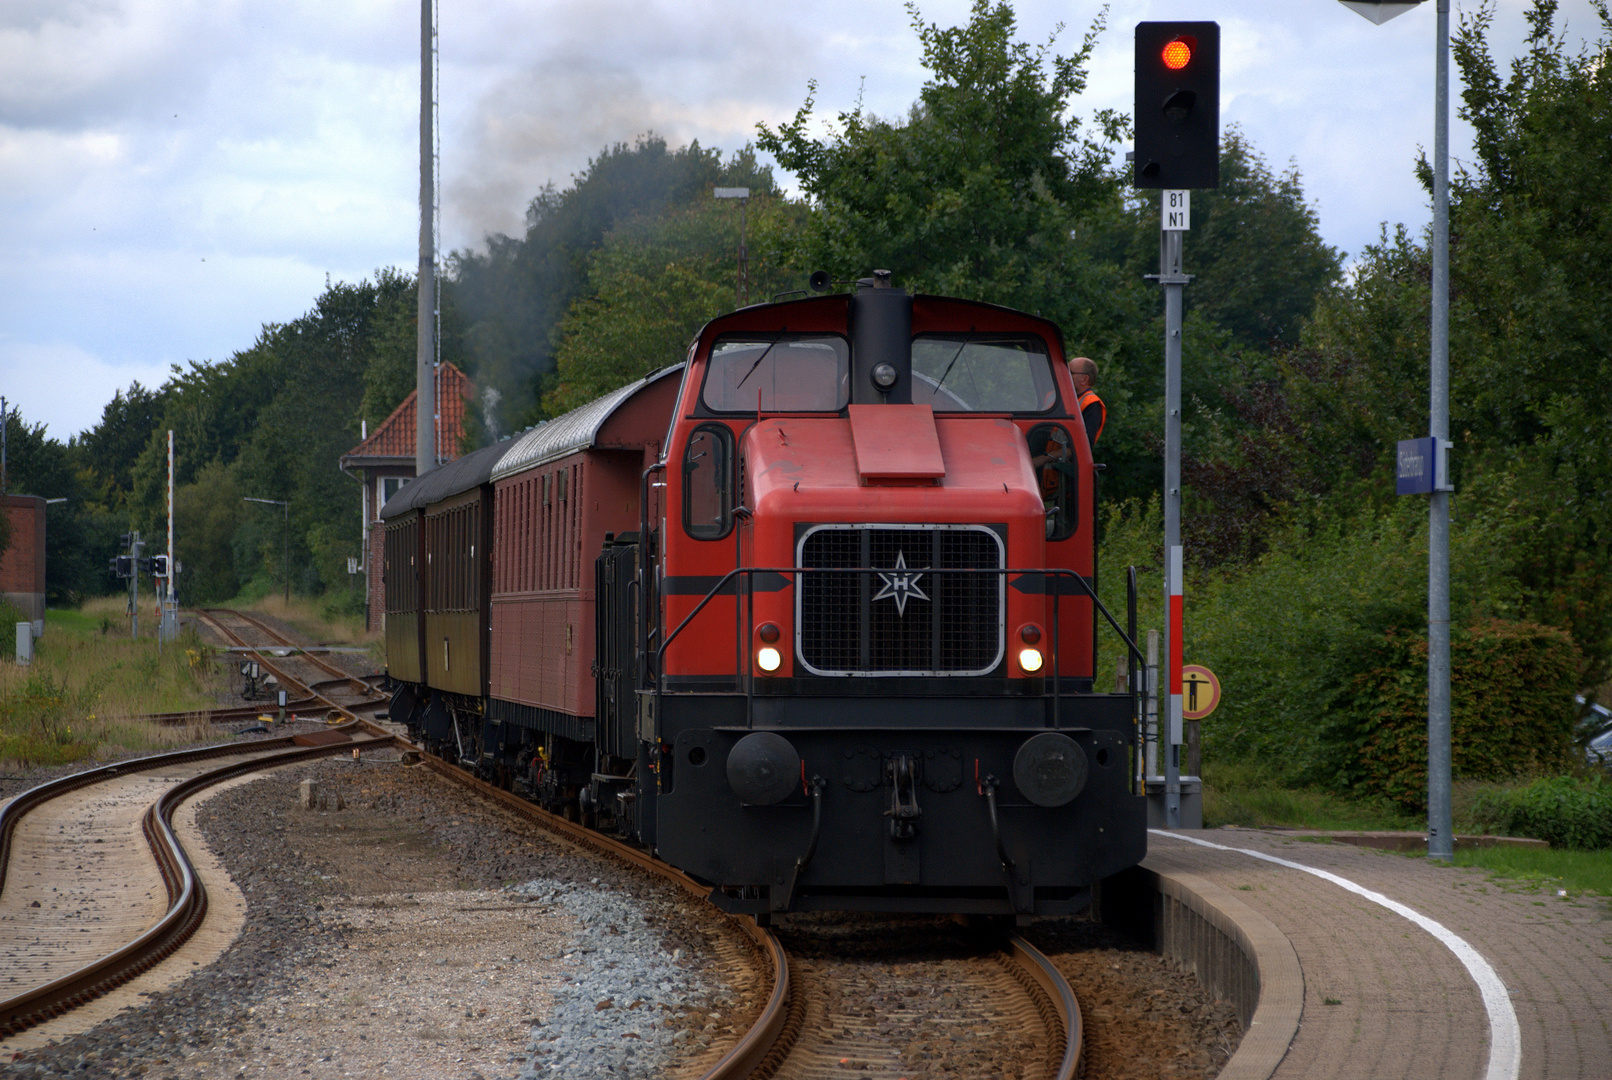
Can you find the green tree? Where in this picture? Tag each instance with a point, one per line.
(1531, 334)
(279, 414)
(1255, 251)
(78, 533)
(975, 192)
(107, 452)
(207, 513)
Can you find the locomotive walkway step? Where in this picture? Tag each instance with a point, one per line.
(1398, 953)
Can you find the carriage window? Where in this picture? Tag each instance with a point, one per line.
(1057, 472)
(707, 484)
(982, 373)
(778, 373)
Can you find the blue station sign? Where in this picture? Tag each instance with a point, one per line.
(1424, 466)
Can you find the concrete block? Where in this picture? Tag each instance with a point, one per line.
(309, 794)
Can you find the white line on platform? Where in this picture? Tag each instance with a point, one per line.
(1505, 1036)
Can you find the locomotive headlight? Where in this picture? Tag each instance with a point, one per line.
(1030, 660)
(768, 658)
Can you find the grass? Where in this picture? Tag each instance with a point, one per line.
(90, 682)
(314, 620)
(1545, 869)
(1246, 796)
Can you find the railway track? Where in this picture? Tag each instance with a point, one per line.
(308, 678)
(95, 888)
(805, 1032)
(1013, 983)
(139, 899)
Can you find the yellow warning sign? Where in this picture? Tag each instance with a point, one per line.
(1200, 691)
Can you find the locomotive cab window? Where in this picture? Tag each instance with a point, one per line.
(1057, 472)
(708, 483)
(778, 373)
(997, 373)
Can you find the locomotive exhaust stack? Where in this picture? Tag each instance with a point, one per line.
(881, 342)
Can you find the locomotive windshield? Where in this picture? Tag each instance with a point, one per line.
(982, 373)
(778, 373)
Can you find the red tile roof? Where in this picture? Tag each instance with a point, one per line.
(393, 437)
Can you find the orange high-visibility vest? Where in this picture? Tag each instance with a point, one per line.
(1090, 398)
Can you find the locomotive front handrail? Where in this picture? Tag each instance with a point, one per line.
(744, 571)
(744, 680)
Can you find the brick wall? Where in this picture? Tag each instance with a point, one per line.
(22, 565)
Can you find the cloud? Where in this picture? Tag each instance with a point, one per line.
(64, 386)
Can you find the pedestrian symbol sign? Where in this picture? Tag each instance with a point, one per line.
(1200, 691)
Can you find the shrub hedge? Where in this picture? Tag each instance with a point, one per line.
(1566, 812)
(1511, 709)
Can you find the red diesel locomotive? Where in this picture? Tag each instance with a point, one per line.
(811, 615)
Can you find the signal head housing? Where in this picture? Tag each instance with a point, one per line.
(1177, 105)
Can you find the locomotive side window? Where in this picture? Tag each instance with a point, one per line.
(707, 483)
(1057, 471)
(778, 373)
(982, 373)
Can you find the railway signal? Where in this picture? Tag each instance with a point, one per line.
(1177, 149)
(1177, 105)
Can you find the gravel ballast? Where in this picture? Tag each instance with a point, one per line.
(408, 929)
(417, 932)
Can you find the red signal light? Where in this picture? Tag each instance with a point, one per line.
(1177, 54)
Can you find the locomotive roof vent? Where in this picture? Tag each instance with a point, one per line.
(881, 342)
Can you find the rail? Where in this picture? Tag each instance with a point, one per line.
(1060, 996)
(187, 898)
(353, 682)
(311, 691)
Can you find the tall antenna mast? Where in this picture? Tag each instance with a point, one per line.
(425, 355)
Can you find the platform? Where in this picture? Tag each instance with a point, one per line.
(1394, 955)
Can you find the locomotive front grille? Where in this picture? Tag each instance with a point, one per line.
(910, 611)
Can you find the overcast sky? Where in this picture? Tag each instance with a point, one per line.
(176, 173)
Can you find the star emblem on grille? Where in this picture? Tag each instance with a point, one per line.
(901, 585)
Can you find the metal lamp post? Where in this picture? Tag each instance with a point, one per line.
(285, 556)
(1440, 828)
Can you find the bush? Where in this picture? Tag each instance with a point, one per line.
(37, 718)
(343, 603)
(1565, 812)
(1511, 709)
